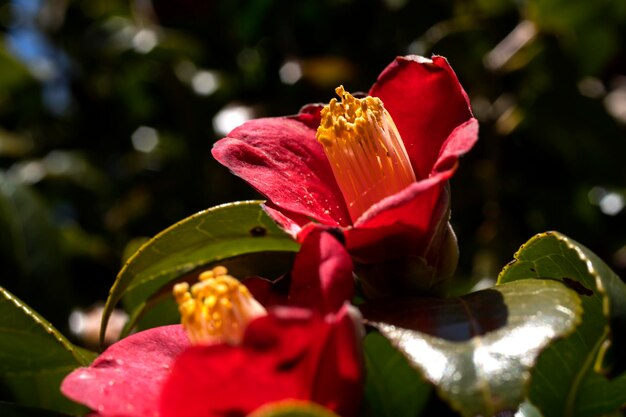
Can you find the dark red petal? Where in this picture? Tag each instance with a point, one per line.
(223, 380)
(279, 358)
(426, 102)
(398, 225)
(310, 115)
(269, 293)
(339, 381)
(460, 141)
(281, 158)
(126, 379)
(322, 274)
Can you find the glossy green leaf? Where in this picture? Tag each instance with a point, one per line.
(34, 356)
(293, 408)
(565, 381)
(219, 234)
(392, 387)
(478, 349)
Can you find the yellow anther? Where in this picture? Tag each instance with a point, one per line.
(181, 291)
(221, 289)
(210, 301)
(219, 271)
(365, 150)
(216, 309)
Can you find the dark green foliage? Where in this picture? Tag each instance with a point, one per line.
(75, 188)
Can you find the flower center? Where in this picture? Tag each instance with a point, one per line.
(365, 151)
(217, 308)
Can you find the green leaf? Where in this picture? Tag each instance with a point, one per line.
(478, 349)
(392, 387)
(35, 357)
(160, 310)
(239, 235)
(293, 408)
(565, 381)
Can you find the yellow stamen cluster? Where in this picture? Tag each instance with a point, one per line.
(365, 150)
(217, 308)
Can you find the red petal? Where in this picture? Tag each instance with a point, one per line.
(398, 225)
(322, 274)
(460, 141)
(426, 102)
(339, 381)
(281, 158)
(278, 359)
(126, 379)
(401, 225)
(321, 278)
(269, 293)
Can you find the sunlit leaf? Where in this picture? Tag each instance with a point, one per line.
(34, 356)
(238, 235)
(478, 349)
(565, 381)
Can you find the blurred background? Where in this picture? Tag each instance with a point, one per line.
(109, 108)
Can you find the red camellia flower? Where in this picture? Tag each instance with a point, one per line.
(231, 356)
(376, 167)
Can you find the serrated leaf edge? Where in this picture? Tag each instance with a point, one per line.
(47, 327)
(592, 358)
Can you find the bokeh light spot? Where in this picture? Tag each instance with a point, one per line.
(145, 139)
(230, 117)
